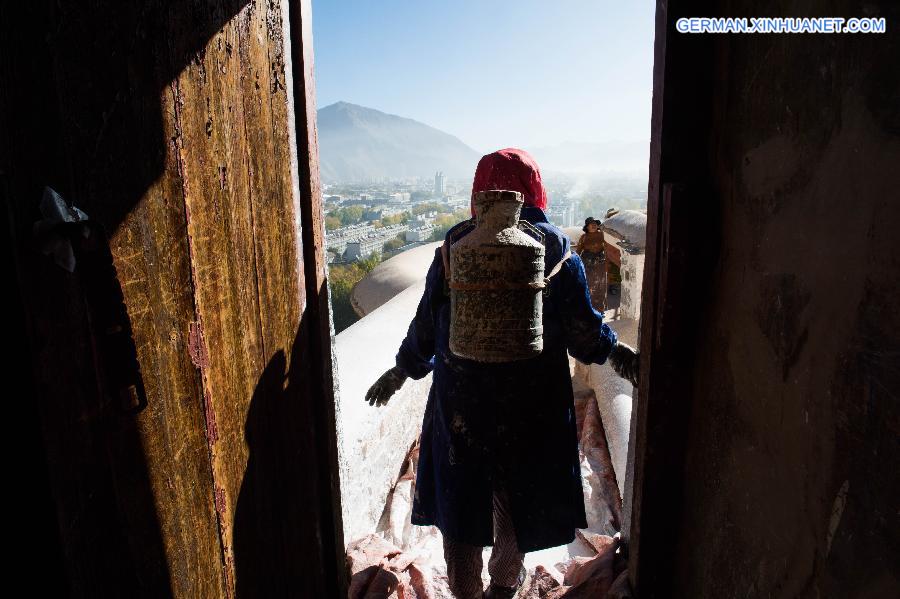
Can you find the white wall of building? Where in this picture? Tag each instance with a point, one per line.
(374, 441)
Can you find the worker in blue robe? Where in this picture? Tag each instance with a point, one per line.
(509, 426)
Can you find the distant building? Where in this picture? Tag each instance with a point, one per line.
(337, 239)
(439, 183)
(458, 203)
(372, 242)
(420, 233)
(423, 219)
(363, 247)
(561, 214)
(336, 244)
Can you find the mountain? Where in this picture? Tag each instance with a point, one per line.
(358, 143)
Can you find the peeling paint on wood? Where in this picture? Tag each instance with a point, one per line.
(212, 431)
(220, 500)
(197, 346)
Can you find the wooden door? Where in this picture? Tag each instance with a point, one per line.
(181, 368)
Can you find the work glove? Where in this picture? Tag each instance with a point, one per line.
(386, 385)
(625, 360)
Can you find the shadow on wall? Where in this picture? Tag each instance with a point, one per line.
(277, 511)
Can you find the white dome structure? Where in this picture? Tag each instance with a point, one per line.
(391, 277)
(574, 233)
(628, 225)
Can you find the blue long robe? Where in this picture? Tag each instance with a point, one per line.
(509, 424)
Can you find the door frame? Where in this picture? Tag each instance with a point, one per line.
(680, 256)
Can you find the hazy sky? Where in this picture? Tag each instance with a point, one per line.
(495, 73)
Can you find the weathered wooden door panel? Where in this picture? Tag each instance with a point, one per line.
(170, 124)
(235, 147)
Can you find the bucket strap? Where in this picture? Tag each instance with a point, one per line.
(446, 260)
(497, 286)
(558, 266)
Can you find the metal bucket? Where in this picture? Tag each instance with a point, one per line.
(496, 280)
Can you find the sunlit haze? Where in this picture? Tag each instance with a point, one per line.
(527, 73)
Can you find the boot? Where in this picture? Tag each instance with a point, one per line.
(495, 591)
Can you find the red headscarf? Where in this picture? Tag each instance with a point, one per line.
(511, 169)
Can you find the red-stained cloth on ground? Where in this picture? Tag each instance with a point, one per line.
(585, 577)
(603, 503)
(378, 570)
